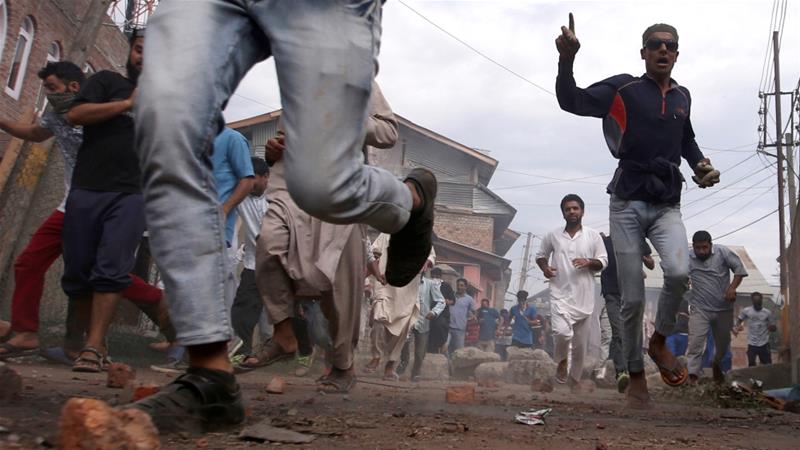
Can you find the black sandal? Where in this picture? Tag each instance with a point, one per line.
(193, 403)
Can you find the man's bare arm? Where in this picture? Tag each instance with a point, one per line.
(28, 132)
(242, 190)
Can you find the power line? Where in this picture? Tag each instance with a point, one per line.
(727, 199)
(485, 56)
(747, 225)
(555, 180)
(765, 66)
(715, 192)
(256, 101)
(741, 208)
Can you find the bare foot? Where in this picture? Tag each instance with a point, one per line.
(5, 329)
(561, 372)
(284, 336)
(672, 371)
(372, 366)
(637, 395)
(25, 340)
(389, 374)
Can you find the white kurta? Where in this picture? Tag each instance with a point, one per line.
(396, 307)
(572, 291)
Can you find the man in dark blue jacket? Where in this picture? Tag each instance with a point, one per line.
(647, 127)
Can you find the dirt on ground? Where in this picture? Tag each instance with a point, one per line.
(397, 415)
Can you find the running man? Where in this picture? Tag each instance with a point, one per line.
(647, 126)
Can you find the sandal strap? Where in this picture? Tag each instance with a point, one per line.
(92, 350)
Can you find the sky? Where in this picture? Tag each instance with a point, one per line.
(433, 80)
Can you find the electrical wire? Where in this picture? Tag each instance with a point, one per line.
(480, 53)
(741, 208)
(747, 225)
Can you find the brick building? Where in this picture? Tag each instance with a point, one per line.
(472, 234)
(33, 32)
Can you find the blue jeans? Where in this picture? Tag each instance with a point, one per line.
(678, 343)
(197, 53)
(632, 221)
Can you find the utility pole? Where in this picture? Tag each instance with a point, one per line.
(783, 262)
(526, 256)
(791, 176)
(88, 31)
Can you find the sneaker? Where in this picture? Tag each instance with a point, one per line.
(303, 365)
(171, 367)
(194, 403)
(233, 346)
(623, 379)
(410, 247)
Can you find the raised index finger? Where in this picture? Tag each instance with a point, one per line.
(571, 23)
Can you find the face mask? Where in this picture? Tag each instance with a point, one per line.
(61, 101)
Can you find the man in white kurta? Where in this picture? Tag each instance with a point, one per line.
(395, 310)
(569, 257)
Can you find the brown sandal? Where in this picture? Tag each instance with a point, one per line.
(89, 365)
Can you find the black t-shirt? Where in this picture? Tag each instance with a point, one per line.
(107, 160)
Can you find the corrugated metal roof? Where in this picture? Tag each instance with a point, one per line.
(486, 202)
(458, 195)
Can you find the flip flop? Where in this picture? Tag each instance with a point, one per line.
(336, 386)
(57, 355)
(13, 351)
(667, 372)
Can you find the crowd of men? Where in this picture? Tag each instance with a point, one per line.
(147, 150)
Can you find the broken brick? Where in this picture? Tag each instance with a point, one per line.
(276, 386)
(90, 423)
(145, 390)
(460, 395)
(120, 375)
(10, 383)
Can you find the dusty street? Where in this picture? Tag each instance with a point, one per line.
(380, 414)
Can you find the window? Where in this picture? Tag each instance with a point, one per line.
(20, 60)
(53, 55)
(3, 26)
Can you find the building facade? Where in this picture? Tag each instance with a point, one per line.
(471, 227)
(33, 32)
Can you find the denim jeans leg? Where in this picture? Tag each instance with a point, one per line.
(625, 219)
(325, 61)
(613, 304)
(197, 52)
(668, 235)
(699, 323)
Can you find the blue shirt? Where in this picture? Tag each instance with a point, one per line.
(231, 162)
(647, 131)
(488, 319)
(522, 331)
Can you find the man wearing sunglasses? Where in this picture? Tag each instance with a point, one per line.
(647, 127)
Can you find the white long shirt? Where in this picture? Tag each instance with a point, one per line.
(251, 210)
(572, 290)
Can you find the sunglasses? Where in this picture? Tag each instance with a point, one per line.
(655, 44)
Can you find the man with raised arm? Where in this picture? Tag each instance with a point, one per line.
(647, 126)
